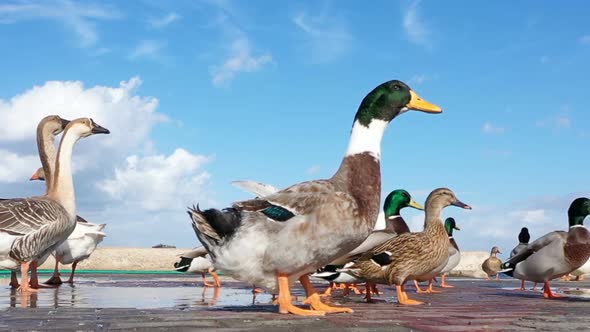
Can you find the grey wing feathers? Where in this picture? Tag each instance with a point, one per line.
(256, 188)
(22, 216)
(197, 252)
(303, 198)
(537, 245)
(375, 239)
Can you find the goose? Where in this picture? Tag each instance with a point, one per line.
(31, 228)
(198, 261)
(49, 127)
(78, 246)
(555, 254)
(492, 265)
(274, 240)
(409, 256)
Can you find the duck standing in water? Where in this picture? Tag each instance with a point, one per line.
(274, 240)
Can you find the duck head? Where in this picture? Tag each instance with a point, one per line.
(390, 99)
(524, 236)
(450, 225)
(443, 197)
(397, 200)
(495, 250)
(578, 211)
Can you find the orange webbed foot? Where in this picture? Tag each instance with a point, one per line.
(315, 302)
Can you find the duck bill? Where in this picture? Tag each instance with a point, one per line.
(415, 205)
(457, 228)
(419, 104)
(460, 204)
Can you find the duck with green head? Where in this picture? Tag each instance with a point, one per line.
(273, 241)
(393, 224)
(556, 253)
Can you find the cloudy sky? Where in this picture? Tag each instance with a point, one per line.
(200, 93)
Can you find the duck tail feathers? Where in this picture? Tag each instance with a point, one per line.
(213, 227)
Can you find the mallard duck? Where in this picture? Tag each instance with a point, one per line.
(198, 261)
(274, 240)
(393, 225)
(523, 241)
(492, 265)
(410, 255)
(556, 253)
(31, 228)
(454, 252)
(78, 246)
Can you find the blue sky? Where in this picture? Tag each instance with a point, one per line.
(267, 90)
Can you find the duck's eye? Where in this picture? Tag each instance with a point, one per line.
(396, 87)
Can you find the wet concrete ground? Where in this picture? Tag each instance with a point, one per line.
(178, 302)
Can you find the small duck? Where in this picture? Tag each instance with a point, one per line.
(198, 261)
(556, 253)
(523, 241)
(273, 241)
(393, 225)
(492, 265)
(410, 255)
(454, 252)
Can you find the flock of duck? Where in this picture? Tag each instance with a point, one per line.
(328, 228)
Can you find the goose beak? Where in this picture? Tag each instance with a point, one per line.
(460, 204)
(97, 129)
(64, 123)
(417, 103)
(34, 177)
(415, 205)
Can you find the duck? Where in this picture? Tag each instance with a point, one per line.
(33, 227)
(78, 246)
(580, 272)
(198, 260)
(523, 241)
(454, 252)
(393, 225)
(411, 255)
(273, 241)
(47, 129)
(492, 265)
(555, 254)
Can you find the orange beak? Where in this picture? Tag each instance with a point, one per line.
(34, 177)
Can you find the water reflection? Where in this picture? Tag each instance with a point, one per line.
(140, 292)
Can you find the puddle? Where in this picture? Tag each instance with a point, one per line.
(140, 292)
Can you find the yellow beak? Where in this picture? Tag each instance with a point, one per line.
(417, 103)
(415, 205)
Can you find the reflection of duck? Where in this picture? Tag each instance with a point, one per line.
(198, 261)
(492, 265)
(556, 253)
(277, 239)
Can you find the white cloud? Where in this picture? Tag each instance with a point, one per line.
(164, 21)
(149, 49)
(490, 128)
(418, 79)
(327, 37)
(79, 17)
(158, 182)
(239, 60)
(413, 25)
(16, 168)
(584, 39)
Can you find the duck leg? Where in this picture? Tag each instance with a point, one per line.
(402, 297)
(13, 280)
(355, 289)
(535, 287)
(285, 301)
(521, 286)
(256, 290)
(216, 281)
(328, 291)
(368, 291)
(547, 293)
(24, 282)
(418, 289)
(71, 279)
(443, 283)
(55, 278)
(313, 298)
(430, 290)
(205, 282)
(498, 276)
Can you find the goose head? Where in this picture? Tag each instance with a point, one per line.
(397, 200)
(578, 211)
(84, 127)
(52, 125)
(390, 99)
(524, 236)
(38, 175)
(450, 224)
(443, 197)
